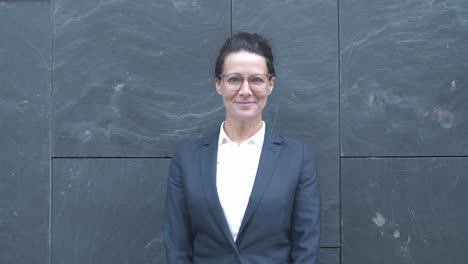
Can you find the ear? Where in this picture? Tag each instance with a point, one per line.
(271, 84)
(218, 86)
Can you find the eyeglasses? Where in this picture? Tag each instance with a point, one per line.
(234, 81)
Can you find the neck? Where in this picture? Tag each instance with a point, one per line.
(239, 131)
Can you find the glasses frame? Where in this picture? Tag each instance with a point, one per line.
(222, 79)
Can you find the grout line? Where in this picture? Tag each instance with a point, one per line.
(401, 157)
(339, 123)
(329, 247)
(109, 157)
(231, 18)
(52, 19)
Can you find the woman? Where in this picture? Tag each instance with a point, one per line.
(243, 194)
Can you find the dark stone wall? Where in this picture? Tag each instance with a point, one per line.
(95, 95)
(25, 156)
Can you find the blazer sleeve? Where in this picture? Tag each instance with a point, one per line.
(177, 226)
(306, 213)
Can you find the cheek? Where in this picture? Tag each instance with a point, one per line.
(262, 97)
(227, 97)
(263, 103)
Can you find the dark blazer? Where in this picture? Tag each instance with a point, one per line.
(282, 220)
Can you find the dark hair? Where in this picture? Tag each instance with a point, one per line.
(243, 41)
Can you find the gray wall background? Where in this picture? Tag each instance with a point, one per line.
(95, 95)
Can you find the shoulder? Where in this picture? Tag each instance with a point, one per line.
(292, 141)
(286, 140)
(293, 145)
(194, 145)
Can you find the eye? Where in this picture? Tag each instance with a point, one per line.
(257, 79)
(233, 78)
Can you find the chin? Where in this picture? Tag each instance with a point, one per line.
(244, 116)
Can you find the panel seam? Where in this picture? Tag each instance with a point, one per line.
(110, 157)
(231, 18)
(339, 127)
(52, 31)
(403, 157)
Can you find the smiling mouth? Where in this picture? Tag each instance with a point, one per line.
(245, 102)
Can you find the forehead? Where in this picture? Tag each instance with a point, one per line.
(244, 61)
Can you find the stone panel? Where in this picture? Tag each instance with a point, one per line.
(404, 81)
(108, 210)
(25, 59)
(329, 256)
(134, 78)
(404, 210)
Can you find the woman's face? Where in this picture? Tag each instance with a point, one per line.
(245, 86)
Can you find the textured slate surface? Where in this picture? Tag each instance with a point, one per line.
(404, 210)
(404, 77)
(108, 210)
(329, 256)
(304, 103)
(25, 51)
(133, 78)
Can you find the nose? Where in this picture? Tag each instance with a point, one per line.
(245, 88)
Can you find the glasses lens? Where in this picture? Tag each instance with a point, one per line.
(258, 80)
(234, 80)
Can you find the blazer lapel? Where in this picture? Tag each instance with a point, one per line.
(208, 162)
(266, 168)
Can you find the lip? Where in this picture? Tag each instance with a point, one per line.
(244, 102)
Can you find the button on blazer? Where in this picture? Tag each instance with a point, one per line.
(281, 223)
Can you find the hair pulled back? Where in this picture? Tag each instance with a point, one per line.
(244, 41)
